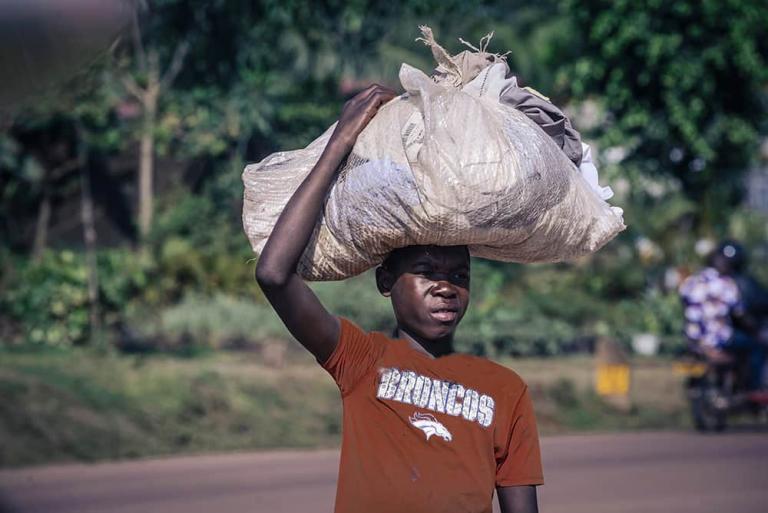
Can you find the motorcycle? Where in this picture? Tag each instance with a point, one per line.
(716, 387)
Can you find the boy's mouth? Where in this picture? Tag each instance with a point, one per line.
(445, 315)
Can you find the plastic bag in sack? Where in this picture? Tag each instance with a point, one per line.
(440, 165)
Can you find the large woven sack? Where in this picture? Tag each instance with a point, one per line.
(442, 165)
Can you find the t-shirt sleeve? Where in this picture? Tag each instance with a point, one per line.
(518, 457)
(355, 355)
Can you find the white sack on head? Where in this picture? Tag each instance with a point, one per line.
(441, 165)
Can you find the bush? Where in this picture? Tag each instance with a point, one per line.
(655, 312)
(200, 248)
(47, 303)
(217, 322)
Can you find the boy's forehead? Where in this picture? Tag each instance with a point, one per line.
(449, 254)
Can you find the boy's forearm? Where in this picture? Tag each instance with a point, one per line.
(294, 228)
(517, 499)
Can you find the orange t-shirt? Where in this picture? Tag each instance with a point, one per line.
(423, 434)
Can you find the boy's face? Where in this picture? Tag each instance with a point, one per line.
(429, 288)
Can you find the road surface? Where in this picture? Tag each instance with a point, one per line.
(616, 473)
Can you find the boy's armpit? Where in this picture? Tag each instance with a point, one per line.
(356, 353)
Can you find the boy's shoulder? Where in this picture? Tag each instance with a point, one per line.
(491, 372)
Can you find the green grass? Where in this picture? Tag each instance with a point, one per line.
(78, 405)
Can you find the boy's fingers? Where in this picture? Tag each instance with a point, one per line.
(363, 95)
(381, 96)
(375, 102)
(370, 91)
(385, 91)
(369, 100)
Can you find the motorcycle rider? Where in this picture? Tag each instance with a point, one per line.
(724, 307)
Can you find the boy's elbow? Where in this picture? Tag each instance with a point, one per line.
(268, 278)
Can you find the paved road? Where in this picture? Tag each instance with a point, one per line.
(623, 473)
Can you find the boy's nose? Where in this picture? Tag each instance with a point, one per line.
(443, 288)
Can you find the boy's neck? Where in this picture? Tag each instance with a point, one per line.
(432, 348)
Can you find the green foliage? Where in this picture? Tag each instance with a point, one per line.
(684, 83)
(48, 300)
(184, 266)
(656, 313)
(548, 310)
(199, 247)
(217, 322)
(504, 318)
(123, 279)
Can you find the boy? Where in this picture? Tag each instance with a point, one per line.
(424, 429)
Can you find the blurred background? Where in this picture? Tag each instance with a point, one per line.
(130, 322)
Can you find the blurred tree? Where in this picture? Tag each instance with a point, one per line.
(147, 84)
(683, 83)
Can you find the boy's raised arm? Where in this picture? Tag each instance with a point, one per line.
(292, 299)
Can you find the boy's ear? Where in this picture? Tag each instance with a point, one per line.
(385, 280)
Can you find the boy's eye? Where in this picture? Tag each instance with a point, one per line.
(460, 278)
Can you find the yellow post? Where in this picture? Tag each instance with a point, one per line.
(612, 379)
(612, 373)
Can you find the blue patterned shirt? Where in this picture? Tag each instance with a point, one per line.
(710, 299)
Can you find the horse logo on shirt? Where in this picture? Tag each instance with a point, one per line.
(430, 426)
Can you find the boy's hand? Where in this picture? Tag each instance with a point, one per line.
(357, 113)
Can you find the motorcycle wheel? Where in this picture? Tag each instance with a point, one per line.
(707, 417)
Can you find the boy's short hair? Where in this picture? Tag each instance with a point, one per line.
(391, 261)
